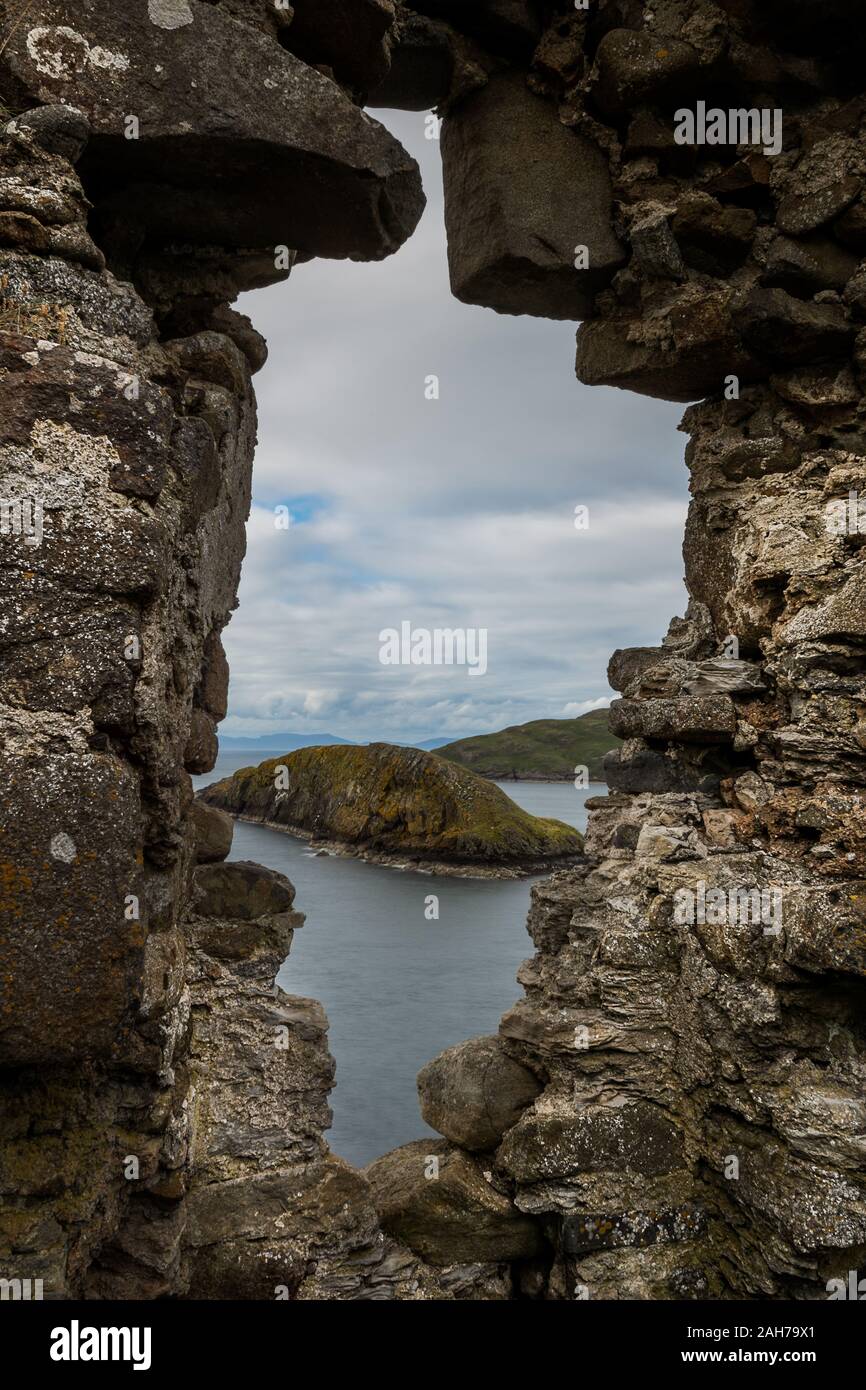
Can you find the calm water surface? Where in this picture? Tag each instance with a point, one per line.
(398, 988)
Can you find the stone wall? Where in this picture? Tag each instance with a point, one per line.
(699, 1131)
(675, 1108)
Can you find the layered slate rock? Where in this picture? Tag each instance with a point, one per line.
(383, 800)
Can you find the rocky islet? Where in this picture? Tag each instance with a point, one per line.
(396, 805)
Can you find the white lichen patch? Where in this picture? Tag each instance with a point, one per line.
(94, 359)
(63, 848)
(104, 58)
(169, 14)
(49, 206)
(79, 467)
(24, 728)
(59, 51)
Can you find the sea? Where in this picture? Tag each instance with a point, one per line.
(398, 983)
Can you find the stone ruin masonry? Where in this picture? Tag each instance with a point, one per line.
(675, 1108)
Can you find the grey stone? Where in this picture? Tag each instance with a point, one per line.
(60, 129)
(627, 663)
(628, 1138)
(522, 192)
(241, 891)
(265, 124)
(804, 212)
(213, 831)
(699, 348)
(422, 65)
(700, 719)
(779, 328)
(438, 1201)
(632, 68)
(655, 247)
(474, 1092)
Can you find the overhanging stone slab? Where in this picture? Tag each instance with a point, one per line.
(209, 131)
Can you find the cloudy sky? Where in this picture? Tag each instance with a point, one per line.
(449, 513)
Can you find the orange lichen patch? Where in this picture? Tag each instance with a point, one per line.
(15, 885)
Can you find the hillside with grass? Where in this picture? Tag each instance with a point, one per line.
(543, 750)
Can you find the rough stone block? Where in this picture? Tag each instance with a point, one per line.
(234, 131)
(522, 192)
(701, 719)
(632, 68)
(241, 891)
(474, 1092)
(456, 1215)
(630, 1138)
(213, 830)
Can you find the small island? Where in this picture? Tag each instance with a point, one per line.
(397, 806)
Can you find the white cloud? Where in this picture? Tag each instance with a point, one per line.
(457, 512)
(318, 701)
(575, 708)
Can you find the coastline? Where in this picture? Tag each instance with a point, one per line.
(413, 864)
(535, 777)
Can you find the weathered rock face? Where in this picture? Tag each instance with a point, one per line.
(675, 1107)
(232, 131)
(693, 1007)
(136, 454)
(136, 996)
